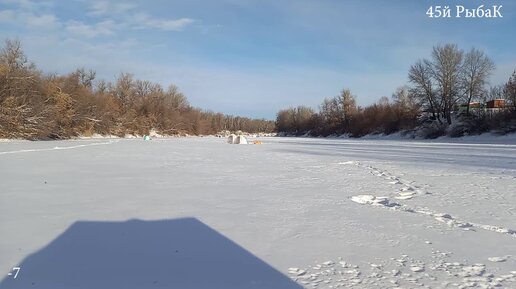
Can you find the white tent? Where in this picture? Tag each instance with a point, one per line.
(240, 140)
(232, 138)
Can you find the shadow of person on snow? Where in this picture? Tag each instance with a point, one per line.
(180, 253)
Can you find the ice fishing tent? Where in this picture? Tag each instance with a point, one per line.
(232, 138)
(240, 140)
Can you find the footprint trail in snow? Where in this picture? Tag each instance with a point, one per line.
(409, 191)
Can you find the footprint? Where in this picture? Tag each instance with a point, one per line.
(406, 197)
(497, 259)
(417, 269)
(410, 193)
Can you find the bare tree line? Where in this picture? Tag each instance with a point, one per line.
(448, 77)
(34, 105)
(341, 115)
(436, 87)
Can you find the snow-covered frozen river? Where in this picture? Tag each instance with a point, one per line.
(290, 213)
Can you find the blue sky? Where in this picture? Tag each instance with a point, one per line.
(253, 57)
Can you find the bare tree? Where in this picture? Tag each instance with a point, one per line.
(329, 111)
(404, 99)
(85, 77)
(348, 105)
(476, 69)
(446, 66)
(285, 120)
(383, 101)
(296, 120)
(12, 55)
(437, 81)
(420, 75)
(102, 87)
(302, 118)
(124, 88)
(175, 99)
(143, 88)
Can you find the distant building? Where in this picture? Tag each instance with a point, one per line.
(496, 104)
(473, 107)
(491, 106)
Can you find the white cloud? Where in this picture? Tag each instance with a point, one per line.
(116, 17)
(7, 16)
(32, 14)
(99, 8)
(42, 21)
(143, 20)
(170, 25)
(21, 3)
(104, 28)
(125, 14)
(104, 8)
(28, 5)
(29, 19)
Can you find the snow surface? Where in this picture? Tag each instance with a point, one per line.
(291, 213)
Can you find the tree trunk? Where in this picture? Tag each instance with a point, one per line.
(470, 96)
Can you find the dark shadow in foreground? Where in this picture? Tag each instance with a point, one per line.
(180, 253)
